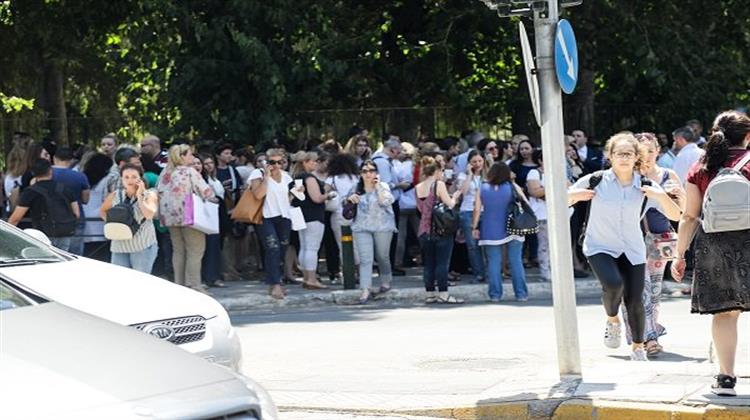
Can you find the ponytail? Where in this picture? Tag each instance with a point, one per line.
(717, 152)
(729, 130)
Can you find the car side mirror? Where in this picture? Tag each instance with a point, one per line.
(38, 235)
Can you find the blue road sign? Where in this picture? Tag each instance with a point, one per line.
(566, 57)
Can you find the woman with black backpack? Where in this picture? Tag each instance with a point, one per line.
(139, 251)
(436, 246)
(721, 277)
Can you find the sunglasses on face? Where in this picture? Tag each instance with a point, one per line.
(275, 162)
(492, 149)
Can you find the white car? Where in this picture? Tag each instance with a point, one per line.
(192, 320)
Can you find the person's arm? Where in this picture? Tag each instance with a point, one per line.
(534, 186)
(17, 215)
(445, 197)
(85, 196)
(313, 190)
(200, 186)
(579, 192)
(476, 215)
(671, 209)
(259, 186)
(686, 230)
(385, 197)
(677, 191)
(76, 209)
(106, 205)
(148, 203)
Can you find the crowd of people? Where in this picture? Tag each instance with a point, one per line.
(625, 203)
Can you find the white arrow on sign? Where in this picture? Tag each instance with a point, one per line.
(568, 60)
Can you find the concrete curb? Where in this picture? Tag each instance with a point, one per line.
(472, 293)
(562, 409)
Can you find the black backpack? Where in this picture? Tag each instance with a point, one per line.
(57, 219)
(121, 224)
(444, 219)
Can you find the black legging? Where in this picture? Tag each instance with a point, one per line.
(622, 280)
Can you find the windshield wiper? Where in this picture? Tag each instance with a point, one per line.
(27, 261)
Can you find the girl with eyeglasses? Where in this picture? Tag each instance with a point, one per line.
(271, 184)
(613, 241)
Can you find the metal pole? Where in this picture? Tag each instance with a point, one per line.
(347, 256)
(561, 262)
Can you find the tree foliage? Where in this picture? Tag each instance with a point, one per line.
(247, 70)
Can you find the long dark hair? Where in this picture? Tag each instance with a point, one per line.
(97, 168)
(361, 183)
(729, 130)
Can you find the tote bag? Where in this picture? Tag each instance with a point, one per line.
(201, 215)
(298, 219)
(249, 209)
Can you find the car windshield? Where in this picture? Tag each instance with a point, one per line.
(10, 299)
(17, 247)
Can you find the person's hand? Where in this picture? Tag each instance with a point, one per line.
(652, 192)
(403, 185)
(226, 183)
(268, 170)
(678, 269)
(354, 198)
(582, 194)
(475, 234)
(675, 190)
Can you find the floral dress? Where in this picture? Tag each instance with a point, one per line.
(173, 187)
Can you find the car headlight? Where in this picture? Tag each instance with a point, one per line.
(267, 406)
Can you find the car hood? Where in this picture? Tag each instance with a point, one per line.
(57, 362)
(112, 292)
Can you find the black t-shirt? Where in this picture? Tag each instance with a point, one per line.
(35, 201)
(313, 212)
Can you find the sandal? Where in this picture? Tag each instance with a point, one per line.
(314, 286)
(384, 289)
(276, 292)
(653, 348)
(450, 299)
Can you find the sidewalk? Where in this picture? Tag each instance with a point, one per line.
(252, 294)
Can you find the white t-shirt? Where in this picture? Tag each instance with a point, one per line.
(537, 204)
(276, 202)
(10, 182)
(468, 198)
(343, 185)
(244, 172)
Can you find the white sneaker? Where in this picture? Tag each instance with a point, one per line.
(612, 335)
(639, 355)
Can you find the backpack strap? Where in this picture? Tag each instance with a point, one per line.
(741, 164)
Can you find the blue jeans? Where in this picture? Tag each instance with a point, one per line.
(494, 269)
(475, 252)
(274, 238)
(142, 261)
(211, 267)
(436, 257)
(62, 242)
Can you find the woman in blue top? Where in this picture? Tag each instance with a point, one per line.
(491, 203)
(613, 243)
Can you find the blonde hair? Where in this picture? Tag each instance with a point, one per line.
(299, 159)
(176, 156)
(275, 152)
(429, 165)
(627, 137)
(16, 163)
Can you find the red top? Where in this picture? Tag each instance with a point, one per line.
(700, 178)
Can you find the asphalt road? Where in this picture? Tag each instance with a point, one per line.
(444, 349)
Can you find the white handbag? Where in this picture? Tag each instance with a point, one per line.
(298, 219)
(205, 214)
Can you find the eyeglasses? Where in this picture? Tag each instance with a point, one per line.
(368, 171)
(492, 149)
(275, 162)
(624, 155)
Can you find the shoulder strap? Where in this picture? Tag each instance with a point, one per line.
(595, 179)
(741, 164)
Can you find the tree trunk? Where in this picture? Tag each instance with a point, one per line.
(580, 106)
(54, 102)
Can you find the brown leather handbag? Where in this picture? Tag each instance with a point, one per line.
(249, 209)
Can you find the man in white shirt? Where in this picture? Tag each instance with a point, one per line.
(685, 139)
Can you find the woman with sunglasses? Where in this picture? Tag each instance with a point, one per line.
(271, 184)
(373, 228)
(613, 241)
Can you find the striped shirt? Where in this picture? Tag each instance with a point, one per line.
(143, 238)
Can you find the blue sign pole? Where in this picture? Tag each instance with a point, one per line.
(566, 57)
